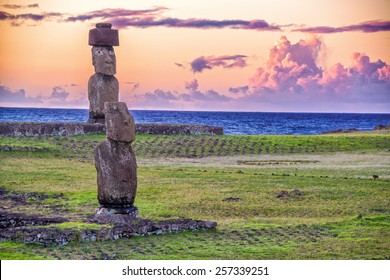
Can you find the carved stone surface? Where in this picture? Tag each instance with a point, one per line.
(101, 89)
(121, 215)
(102, 86)
(116, 167)
(120, 124)
(103, 35)
(116, 174)
(104, 60)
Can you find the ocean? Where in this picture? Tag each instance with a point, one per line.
(234, 123)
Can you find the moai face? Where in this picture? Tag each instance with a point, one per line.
(119, 123)
(104, 60)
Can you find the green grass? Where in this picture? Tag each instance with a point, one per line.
(152, 146)
(340, 211)
(76, 225)
(17, 251)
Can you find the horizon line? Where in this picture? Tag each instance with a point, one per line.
(208, 111)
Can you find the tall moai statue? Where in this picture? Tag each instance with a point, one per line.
(102, 86)
(116, 166)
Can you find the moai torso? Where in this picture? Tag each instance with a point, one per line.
(101, 88)
(114, 159)
(116, 174)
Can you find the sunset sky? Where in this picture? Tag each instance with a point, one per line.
(212, 55)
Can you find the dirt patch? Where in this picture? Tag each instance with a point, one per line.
(283, 194)
(23, 198)
(13, 220)
(33, 202)
(231, 199)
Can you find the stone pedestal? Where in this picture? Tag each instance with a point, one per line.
(105, 215)
(92, 120)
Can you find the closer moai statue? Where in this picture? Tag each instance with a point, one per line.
(102, 86)
(116, 165)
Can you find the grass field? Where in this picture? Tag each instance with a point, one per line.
(274, 197)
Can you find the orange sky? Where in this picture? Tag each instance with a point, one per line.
(46, 61)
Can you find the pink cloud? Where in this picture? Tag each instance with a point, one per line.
(154, 17)
(59, 93)
(236, 90)
(123, 18)
(207, 96)
(12, 6)
(290, 80)
(292, 74)
(162, 99)
(18, 97)
(192, 98)
(58, 97)
(192, 85)
(288, 65)
(117, 15)
(226, 61)
(195, 95)
(153, 21)
(368, 26)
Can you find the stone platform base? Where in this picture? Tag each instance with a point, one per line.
(104, 215)
(65, 129)
(26, 229)
(45, 229)
(97, 121)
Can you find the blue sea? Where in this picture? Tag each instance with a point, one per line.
(244, 123)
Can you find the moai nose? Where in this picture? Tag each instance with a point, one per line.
(108, 59)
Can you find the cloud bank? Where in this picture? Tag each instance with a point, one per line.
(191, 98)
(20, 19)
(154, 17)
(193, 94)
(18, 97)
(112, 14)
(242, 89)
(292, 75)
(58, 97)
(151, 21)
(123, 18)
(12, 6)
(368, 27)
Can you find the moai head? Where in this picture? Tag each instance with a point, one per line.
(119, 123)
(102, 38)
(103, 58)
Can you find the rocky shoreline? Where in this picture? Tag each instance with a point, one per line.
(352, 130)
(66, 128)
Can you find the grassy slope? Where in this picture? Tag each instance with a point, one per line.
(340, 212)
